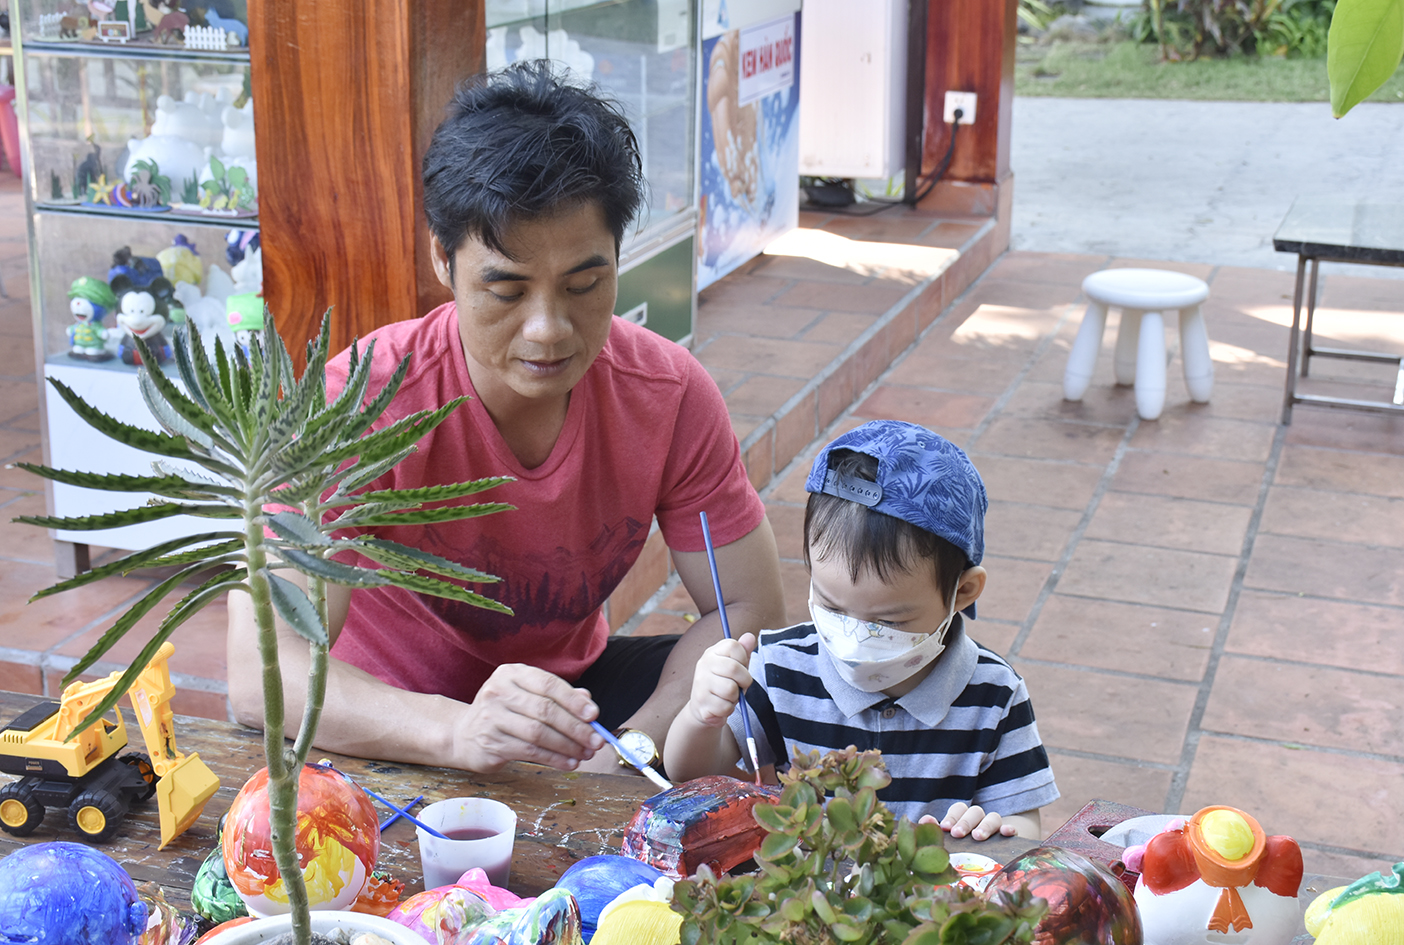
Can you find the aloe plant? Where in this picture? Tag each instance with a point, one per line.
(846, 870)
(262, 452)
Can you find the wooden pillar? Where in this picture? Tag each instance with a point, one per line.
(970, 48)
(346, 98)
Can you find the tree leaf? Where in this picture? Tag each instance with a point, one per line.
(1363, 48)
(397, 555)
(133, 561)
(294, 607)
(344, 574)
(149, 441)
(452, 513)
(296, 527)
(427, 585)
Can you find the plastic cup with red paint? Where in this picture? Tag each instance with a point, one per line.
(481, 832)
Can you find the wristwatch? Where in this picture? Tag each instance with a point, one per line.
(639, 744)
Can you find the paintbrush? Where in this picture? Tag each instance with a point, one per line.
(646, 770)
(726, 630)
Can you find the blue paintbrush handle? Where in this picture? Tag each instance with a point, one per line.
(405, 814)
(726, 630)
(628, 756)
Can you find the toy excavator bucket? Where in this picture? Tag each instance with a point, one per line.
(182, 794)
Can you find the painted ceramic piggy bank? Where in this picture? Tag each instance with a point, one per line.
(197, 119)
(707, 820)
(179, 158)
(1219, 876)
(68, 894)
(1368, 911)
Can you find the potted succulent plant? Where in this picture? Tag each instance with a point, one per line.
(845, 870)
(278, 470)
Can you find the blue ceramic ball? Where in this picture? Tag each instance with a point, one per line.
(596, 880)
(68, 894)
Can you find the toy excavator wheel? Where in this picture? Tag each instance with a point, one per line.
(96, 815)
(142, 763)
(20, 813)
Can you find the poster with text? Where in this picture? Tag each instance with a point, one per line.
(748, 172)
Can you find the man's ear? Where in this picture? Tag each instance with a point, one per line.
(971, 586)
(440, 257)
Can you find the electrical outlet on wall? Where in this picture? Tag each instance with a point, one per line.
(965, 101)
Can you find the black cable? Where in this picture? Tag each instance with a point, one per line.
(883, 205)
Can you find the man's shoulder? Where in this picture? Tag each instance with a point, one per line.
(423, 340)
(639, 352)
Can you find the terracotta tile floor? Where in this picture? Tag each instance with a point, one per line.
(1207, 608)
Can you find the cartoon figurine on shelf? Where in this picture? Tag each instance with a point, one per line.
(180, 261)
(1218, 875)
(89, 300)
(1368, 911)
(139, 270)
(245, 317)
(143, 315)
(148, 188)
(88, 171)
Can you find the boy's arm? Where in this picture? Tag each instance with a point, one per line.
(699, 741)
(694, 750)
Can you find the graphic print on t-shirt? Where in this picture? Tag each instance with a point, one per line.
(542, 587)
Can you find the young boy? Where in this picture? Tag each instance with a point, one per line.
(894, 534)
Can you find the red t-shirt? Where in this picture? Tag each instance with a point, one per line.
(646, 434)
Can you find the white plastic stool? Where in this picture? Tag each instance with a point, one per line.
(1142, 295)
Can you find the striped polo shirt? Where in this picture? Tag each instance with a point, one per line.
(965, 733)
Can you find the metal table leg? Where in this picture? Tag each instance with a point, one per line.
(1290, 393)
(1307, 350)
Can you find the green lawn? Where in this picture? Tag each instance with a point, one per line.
(1134, 70)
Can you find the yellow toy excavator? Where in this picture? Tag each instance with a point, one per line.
(84, 774)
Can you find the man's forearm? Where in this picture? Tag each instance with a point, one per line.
(361, 715)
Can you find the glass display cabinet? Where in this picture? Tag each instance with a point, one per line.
(141, 180)
(643, 54)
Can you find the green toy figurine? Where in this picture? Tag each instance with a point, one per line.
(245, 313)
(89, 300)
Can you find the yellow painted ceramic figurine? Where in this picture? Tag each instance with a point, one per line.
(1368, 911)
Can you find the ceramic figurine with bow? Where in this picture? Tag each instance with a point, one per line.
(89, 301)
(1218, 875)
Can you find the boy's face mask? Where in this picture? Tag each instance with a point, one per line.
(872, 656)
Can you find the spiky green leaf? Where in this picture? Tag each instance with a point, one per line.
(390, 439)
(1363, 48)
(333, 571)
(128, 620)
(430, 494)
(170, 413)
(149, 441)
(452, 513)
(296, 610)
(433, 586)
(355, 476)
(210, 590)
(133, 562)
(109, 482)
(395, 555)
(296, 527)
(186, 368)
(229, 552)
(87, 523)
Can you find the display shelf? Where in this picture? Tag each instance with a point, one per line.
(92, 116)
(143, 28)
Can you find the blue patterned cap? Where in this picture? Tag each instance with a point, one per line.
(922, 478)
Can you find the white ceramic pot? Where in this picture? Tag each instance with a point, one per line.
(263, 930)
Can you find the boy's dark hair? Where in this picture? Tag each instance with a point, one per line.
(521, 143)
(866, 539)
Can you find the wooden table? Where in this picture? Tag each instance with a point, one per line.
(561, 817)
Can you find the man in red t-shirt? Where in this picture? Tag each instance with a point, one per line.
(528, 187)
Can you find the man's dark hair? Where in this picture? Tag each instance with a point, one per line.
(522, 143)
(869, 540)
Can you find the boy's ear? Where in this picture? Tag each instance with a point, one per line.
(971, 586)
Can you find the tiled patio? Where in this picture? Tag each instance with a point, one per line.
(1207, 608)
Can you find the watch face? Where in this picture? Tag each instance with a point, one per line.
(638, 744)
